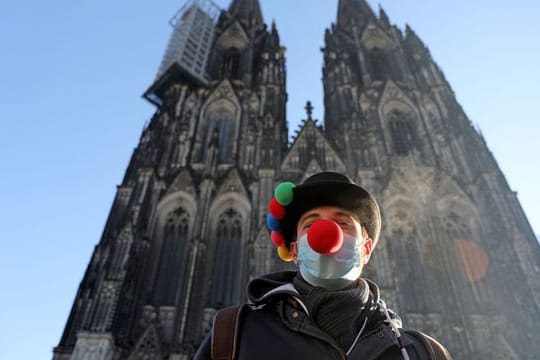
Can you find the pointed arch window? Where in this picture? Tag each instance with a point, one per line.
(173, 259)
(379, 64)
(224, 128)
(385, 64)
(402, 132)
(221, 134)
(225, 275)
(231, 64)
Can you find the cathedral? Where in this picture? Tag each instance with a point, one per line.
(457, 257)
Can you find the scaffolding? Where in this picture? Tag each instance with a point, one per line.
(191, 39)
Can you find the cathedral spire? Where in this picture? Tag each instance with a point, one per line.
(248, 11)
(385, 20)
(413, 41)
(356, 12)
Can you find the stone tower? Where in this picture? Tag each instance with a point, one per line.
(182, 226)
(457, 257)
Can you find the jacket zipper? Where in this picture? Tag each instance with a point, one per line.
(326, 339)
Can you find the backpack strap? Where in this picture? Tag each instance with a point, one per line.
(434, 349)
(225, 333)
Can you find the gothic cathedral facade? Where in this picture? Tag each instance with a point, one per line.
(457, 258)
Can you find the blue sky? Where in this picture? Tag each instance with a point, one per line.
(71, 76)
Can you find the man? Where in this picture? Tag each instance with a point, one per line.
(328, 226)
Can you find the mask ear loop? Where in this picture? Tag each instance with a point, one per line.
(294, 251)
(365, 238)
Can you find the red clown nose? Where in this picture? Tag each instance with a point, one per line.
(325, 237)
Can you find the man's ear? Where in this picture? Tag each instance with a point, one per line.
(368, 248)
(294, 252)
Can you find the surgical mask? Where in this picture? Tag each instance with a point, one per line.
(334, 271)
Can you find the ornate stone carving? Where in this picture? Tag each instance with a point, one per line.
(93, 346)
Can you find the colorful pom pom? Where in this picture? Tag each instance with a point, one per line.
(284, 253)
(276, 209)
(273, 223)
(277, 238)
(325, 237)
(284, 193)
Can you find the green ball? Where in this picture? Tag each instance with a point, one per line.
(283, 193)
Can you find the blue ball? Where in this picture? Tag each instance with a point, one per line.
(272, 223)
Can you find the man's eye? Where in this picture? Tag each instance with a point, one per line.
(307, 225)
(344, 223)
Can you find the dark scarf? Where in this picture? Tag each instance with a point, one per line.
(339, 313)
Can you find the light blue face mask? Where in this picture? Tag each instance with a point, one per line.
(334, 271)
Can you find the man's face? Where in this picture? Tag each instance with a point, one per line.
(348, 222)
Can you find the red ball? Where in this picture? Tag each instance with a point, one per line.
(325, 237)
(276, 209)
(277, 238)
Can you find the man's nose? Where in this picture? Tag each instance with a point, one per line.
(325, 236)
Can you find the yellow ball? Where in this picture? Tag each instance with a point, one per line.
(284, 253)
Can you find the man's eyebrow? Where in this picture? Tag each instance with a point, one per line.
(348, 214)
(312, 215)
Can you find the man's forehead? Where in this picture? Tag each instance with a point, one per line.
(328, 211)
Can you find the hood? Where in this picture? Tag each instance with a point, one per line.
(268, 287)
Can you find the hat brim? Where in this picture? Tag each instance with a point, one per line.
(348, 196)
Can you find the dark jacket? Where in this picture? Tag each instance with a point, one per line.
(278, 327)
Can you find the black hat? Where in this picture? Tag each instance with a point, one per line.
(332, 189)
